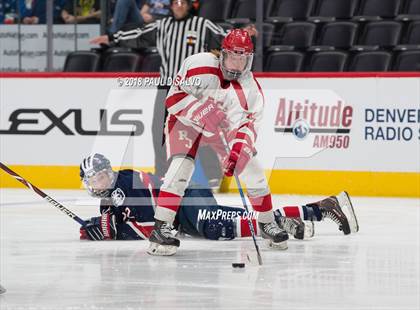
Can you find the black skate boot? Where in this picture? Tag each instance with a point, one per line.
(295, 226)
(330, 208)
(162, 242)
(276, 237)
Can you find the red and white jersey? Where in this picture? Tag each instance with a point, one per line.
(199, 78)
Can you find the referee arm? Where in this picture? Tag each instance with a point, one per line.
(131, 38)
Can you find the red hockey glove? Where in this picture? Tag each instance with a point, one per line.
(99, 228)
(238, 158)
(210, 116)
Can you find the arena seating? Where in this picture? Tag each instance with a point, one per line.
(314, 35)
(243, 12)
(151, 61)
(376, 35)
(82, 61)
(295, 35)
(284, 61)
(122, 62)
(335, 35)
(283, 11)
(370, 10)
(215, 10)
(408, 61)
(411, 39)
(370, 61)
(410, 11)
(327, 61)
(332, 10)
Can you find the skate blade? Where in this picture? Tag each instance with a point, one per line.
(309, 229)
(344, 201)
(161, 250)
(276, 246)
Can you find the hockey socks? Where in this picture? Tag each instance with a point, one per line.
(243, 229)
(312, 212)
(264, 206)
(168, 205)
(308, 212)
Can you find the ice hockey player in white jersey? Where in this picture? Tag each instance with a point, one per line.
(213, 95)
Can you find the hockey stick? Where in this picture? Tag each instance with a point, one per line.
(241, 192)
(42, 194)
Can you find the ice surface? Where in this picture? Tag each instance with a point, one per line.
(45, 266)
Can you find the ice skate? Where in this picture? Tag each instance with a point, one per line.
(296, 227)
(275, 236)
(347, 207)
(162, 242)
(330, 208)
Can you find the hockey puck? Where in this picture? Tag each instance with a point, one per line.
(238, 265)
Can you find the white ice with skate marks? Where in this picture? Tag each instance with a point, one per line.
(45, 266)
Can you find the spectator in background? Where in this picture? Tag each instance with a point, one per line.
(8, 12)
(153, 10)
(35, 11)
(126, 12)
(87, 12)
(138, 13)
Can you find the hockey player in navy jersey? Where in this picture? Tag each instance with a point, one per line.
(128, 201)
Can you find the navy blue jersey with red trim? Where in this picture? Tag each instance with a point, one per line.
(132, 200)
(135, 191)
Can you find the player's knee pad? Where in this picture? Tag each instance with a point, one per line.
(219, 229)
(254, 179)
(178, 175)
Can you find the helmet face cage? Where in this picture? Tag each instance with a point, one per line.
(99, 193)
(242, 62)
(90, 167)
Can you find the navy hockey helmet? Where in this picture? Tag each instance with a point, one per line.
(89, 169)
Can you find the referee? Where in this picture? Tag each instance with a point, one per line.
(176, 37)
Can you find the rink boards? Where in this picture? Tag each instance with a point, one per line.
(321, 133)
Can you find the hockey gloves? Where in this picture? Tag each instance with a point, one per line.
(238, 158)
(210, 116)
(99, 228)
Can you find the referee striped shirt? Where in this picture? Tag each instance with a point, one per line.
(175, 40)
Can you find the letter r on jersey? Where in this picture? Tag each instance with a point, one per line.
(183, 136)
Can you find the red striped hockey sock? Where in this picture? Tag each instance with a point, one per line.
(309, 212)
(242, 227)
